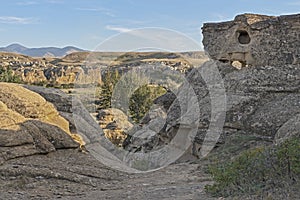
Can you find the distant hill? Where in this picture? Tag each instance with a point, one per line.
(40, 52)
(57, 71)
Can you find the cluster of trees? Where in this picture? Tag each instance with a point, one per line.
(130, 93)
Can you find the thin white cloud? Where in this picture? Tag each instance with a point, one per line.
(16, 20)
(104, 11)
(55, 1)
(26, 3)
(30, 2)
(118, 29)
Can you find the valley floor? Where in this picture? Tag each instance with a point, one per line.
(69, 174)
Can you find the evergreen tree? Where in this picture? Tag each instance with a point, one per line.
(107, 87)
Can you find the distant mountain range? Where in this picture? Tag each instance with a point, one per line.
(40, 52)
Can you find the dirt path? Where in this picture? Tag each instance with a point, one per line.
(67, 174)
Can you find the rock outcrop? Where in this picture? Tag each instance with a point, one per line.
(261, 99)
(29, 124)
(67, 173)
(115, 125)
(255, 40)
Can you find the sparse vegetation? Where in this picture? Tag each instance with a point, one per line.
(7, 75)
(259, 171)
(142, 100)
(107, 87)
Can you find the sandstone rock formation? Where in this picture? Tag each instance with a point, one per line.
(255, 40)
(288, 130)
(86, 67)
(65, 106)
(29, 124)
(262, 103)
(80, 121)
(260, 99)
(115, 125)
(69, 174)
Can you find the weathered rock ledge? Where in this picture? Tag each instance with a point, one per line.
(255, 40)
(29, 124)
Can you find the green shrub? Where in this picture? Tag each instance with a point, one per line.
(125, 88)
(142, 100)
(258, 170)
(7, 75)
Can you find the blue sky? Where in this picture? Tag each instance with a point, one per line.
(86, 23)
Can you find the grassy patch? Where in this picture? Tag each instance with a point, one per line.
(258, 171)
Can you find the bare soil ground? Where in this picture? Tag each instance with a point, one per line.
(69, 174)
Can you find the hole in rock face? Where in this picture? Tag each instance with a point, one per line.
(243, 37)
(224, 60)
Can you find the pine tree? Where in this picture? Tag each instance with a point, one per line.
(107, 87)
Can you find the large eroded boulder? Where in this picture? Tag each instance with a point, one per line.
(31, 105)
(29, 124)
